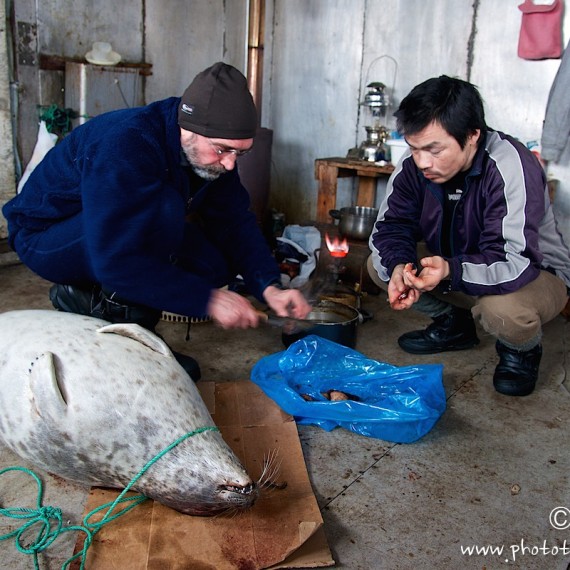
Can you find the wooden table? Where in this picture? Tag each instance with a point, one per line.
(329, 170)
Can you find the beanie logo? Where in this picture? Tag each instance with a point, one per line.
(188, 109)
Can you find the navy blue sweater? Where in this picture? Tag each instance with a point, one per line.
(122, 170)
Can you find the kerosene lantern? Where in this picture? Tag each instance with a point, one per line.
(376, 103)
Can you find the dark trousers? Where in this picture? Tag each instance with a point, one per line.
(516, 319)
(60, 254)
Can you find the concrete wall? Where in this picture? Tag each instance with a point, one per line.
(319, 56)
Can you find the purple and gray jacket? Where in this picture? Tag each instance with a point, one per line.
(503, 231)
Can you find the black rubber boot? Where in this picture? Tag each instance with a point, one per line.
(189, 364)
(517, 371)
(70, 299)
(452, 331)
(96, 303)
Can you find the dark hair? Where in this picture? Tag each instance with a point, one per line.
(453, 103)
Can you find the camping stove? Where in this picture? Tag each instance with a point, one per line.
(344, 278)
(330, 281)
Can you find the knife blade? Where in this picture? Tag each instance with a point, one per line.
(291, 324)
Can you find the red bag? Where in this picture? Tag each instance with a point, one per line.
(541, 30)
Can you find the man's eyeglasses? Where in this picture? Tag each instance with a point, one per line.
(222, 151)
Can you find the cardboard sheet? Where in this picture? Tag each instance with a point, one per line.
(284, 529)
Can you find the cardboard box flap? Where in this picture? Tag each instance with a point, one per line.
(314, 553)
(284, 529)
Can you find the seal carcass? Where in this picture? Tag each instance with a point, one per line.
(93, 402)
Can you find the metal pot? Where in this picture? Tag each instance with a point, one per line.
(333, 321)
(355, 222)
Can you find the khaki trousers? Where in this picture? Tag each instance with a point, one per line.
(516, 319)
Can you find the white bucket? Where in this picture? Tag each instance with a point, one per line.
(397, 149)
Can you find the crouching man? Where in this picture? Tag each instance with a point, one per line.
(466, 232)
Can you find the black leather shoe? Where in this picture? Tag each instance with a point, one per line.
(453, 331)
(517, 372)
(71, 299)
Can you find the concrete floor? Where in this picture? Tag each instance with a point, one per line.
(488, 475)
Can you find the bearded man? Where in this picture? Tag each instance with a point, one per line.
(141, 210)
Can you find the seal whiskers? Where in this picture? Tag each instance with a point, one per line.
(270, 472)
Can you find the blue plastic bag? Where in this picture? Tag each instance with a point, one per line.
(399, 404)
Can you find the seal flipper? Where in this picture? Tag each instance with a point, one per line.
(47, 399)
(140, 334)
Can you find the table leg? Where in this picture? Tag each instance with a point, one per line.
(326, 200)
(366, 191)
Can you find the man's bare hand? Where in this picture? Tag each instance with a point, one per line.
(232, 311)
(433, 270)
(400, 294)
(287, 302)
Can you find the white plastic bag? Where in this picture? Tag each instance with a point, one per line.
(306, 239)
(46, 141)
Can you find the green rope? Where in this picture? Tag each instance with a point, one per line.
(57, 120)
(49, 518)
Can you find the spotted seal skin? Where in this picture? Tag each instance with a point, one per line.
(93, 402)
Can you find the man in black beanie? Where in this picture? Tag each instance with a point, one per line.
(141, 210)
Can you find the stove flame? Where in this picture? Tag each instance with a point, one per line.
(336, 247)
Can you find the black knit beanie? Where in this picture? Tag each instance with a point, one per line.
(218, 104)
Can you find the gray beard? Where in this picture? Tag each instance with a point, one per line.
(205, 172)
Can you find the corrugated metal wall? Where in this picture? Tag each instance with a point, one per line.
(318, 57)
(322, 53)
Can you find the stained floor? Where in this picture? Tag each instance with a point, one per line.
(491, 474)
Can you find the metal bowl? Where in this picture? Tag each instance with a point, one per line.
(355, 222)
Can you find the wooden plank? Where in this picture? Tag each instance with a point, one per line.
(361, 167)
(326, 200)
(366, 191)
(57, 63)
